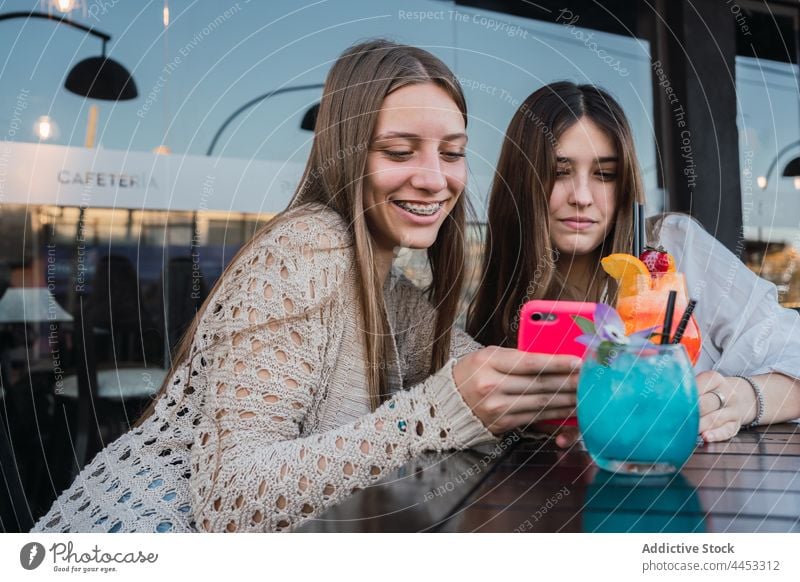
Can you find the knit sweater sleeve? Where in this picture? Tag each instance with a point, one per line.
(272, 321)
(462, 343)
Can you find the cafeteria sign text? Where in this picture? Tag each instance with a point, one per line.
(32, 173)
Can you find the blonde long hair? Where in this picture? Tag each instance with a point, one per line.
(519, 262)
(355, 88)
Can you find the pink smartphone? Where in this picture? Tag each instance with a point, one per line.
(548, 327)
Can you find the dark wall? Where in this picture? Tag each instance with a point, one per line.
(695, 45)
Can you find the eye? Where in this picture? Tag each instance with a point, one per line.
(453, 156)
(398, 154)
(607, 175)
(561, 172)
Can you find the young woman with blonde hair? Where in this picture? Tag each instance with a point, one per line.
(313, 369)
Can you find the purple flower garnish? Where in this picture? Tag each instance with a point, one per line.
(609, 327)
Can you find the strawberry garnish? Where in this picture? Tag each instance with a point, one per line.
(657, 260)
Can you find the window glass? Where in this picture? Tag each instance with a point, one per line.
(769, 130)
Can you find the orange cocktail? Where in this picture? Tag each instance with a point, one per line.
(645, 306)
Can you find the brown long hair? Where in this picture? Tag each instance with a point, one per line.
(355, 88)
(519, 261)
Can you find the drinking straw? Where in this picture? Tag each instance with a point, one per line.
(642, 235)
(684, 321)
(636, 237)
(667, 329)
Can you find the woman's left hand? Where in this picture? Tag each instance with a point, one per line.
(718, 422)
(723, 410)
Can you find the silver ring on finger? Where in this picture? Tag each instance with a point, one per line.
(721, 398)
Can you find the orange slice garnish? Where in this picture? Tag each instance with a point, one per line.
(624, 268)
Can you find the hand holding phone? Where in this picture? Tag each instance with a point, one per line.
(508, 389)
(548, 327)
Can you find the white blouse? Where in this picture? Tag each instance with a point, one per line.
(745, 330)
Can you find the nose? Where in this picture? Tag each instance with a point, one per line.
(428, 175)
(581, 193)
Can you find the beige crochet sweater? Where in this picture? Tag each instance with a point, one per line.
(268, 422)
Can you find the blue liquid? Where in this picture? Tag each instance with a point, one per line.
(639, 410)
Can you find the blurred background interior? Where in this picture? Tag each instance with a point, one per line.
(143, 142)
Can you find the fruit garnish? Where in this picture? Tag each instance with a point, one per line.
(624, 268)
(657, 260)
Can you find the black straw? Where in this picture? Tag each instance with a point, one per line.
(667, 329)
(684, 321)
(642, 235)
(636, 236)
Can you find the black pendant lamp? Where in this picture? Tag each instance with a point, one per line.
(95, 77)
(101, 78)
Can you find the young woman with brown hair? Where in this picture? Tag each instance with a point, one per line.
(312, 369)
(562, 199)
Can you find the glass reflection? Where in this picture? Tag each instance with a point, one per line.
(629, 503)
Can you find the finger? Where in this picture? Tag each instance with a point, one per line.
(525, 419)
(511, 361)
(716, 419)
(723, 433)
(707, 381)
(709, 403)
(539, 403)
(567, 437)
(710, 421)
(558, 413)
(544, 383)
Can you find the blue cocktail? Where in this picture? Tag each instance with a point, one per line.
(637, 408)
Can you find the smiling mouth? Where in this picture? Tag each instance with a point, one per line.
(419, 208)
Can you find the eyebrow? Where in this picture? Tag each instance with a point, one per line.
(562, 160)
(414, 136)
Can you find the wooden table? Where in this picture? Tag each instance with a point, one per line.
(749, 484)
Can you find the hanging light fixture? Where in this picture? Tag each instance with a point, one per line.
(101, 78)
(95, 77)
(308, 122)
(792, 170)
(65, 6)
(310, 118)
